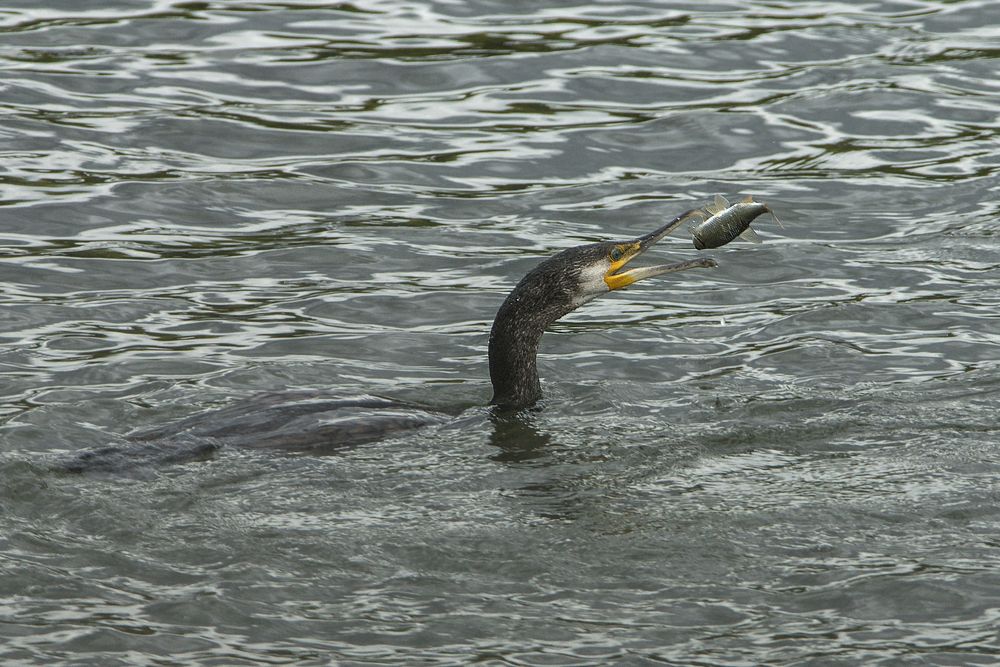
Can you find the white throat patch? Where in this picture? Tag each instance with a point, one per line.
(592, 282)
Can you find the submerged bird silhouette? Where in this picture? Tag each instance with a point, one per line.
(313, 421)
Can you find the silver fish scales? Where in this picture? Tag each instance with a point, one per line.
(728, 221)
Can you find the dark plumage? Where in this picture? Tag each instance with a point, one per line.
(555, 288)
(552, 289)
(314, 422)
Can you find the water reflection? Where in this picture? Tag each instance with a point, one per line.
(517, 438)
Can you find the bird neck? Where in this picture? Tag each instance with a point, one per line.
(513, 368)
(517, 330)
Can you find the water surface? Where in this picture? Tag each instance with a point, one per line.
(788, 460)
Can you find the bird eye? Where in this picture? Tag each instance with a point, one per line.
(616, 254)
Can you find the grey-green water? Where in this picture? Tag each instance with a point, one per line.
(789, 460)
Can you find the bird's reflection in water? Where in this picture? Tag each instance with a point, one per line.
(517, 439)
(544, 481)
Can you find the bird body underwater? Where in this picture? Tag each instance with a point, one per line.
(310, 421)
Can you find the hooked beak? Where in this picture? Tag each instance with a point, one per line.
(617, 279)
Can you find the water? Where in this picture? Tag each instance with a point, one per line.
(788, 460)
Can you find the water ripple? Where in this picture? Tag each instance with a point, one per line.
(786, 460)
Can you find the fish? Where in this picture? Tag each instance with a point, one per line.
(728, 221)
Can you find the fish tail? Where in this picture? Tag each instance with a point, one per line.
(771, 211)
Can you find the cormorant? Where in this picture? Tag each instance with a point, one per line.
(313, 421)
(553, 289)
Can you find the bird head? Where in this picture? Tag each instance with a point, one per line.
(600, 267)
